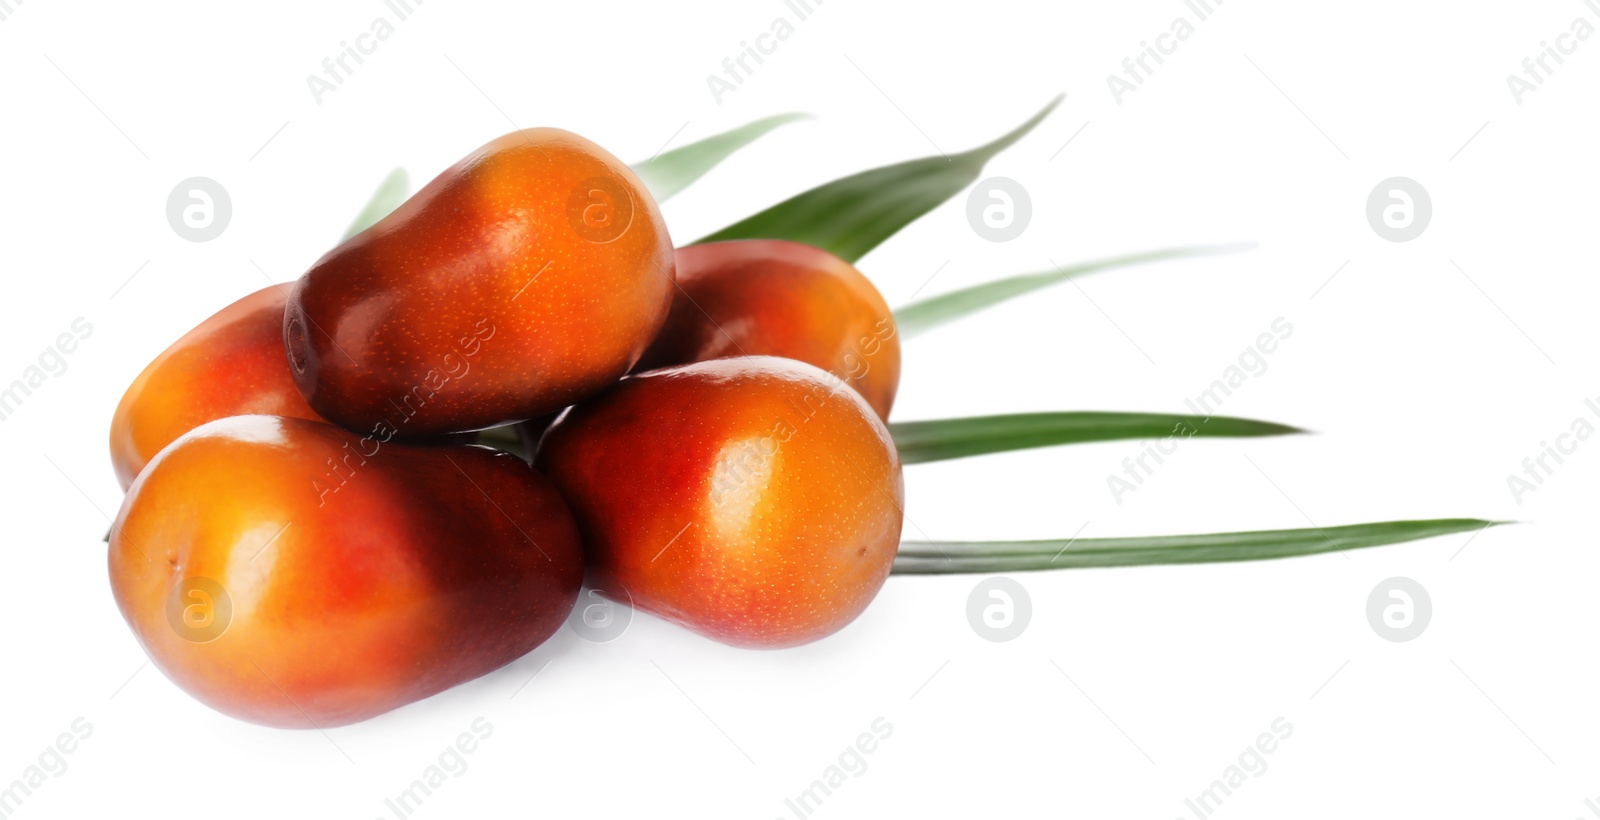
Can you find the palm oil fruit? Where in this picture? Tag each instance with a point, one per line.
(527, 276)
(294, 574)
(755, 500)
(229, 365)
(770, 297)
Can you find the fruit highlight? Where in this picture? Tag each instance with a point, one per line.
(706, 429)
(282, 574)
(772, 297)
(529, 275)
(754, 500)
(229, 365)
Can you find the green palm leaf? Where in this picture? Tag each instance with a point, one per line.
(668, 174)
(941, 439)
(927, 314)
(391, 192)
(853, 215)
(955, 557)
(665, 175)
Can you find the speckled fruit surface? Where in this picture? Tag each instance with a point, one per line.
(755, 500)
(529, 275)
(771, 297)
(291, 573)
(229, 365)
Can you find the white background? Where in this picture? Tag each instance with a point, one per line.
(1429, 370)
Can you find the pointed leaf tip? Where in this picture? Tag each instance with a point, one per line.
(852, 215)
(942, 439)
(960, 557)
(922, 316)
(985, 152)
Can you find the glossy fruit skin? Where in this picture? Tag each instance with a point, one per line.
(754, 500)
(770, 297)
(428, 566)
(527, 276)
(229, 365)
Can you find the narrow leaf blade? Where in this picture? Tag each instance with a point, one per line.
(941, 439)
(952, 557)
(668, 174)
(850, 216)
(391, 192)
(921, 316)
